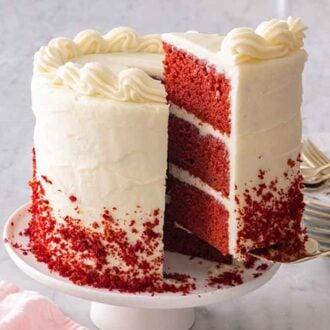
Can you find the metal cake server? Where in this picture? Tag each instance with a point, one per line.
(278, 254)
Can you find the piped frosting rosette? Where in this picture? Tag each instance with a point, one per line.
(271, 39)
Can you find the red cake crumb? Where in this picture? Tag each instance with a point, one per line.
(95, 225)
(203, 156)
(232, 278)
(72, 198)
(207, 218)
(270, 214)
(261, 174)
(17, 246)
(186, 286)
(156, 212)
(262, 267)
(46, 179)
(196, 86)
(249, 262)
(291, 163)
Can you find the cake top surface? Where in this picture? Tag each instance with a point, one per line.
(271, 39)
(105, 65)
(121, 65)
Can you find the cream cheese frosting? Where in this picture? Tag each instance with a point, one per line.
(101, 132)
(272, 39)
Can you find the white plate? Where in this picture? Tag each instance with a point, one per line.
(321, 198)
(318, 222)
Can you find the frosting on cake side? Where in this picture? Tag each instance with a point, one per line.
(100, 160)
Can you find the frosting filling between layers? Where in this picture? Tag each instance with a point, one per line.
(203, 127)
(203, 156)
(188, 178)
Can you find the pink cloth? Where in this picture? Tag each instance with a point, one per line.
(28, 310)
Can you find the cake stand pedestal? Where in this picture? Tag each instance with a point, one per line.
(124, 311)
(126, 318)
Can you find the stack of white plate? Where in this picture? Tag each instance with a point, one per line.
(317, 217)
(317, 212)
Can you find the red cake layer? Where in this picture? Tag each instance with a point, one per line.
(199, 213)
(194, 85)
(270, 214)
(203, 156)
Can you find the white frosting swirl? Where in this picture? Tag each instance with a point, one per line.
(58, 52)
(95, 79)
(53, 61)
(271, 39)
(124, 39)
(90, 42)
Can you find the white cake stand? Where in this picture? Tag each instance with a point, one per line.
(123, 311)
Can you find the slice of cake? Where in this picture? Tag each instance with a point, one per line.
(235, 135)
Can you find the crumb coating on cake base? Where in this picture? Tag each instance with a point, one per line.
(82, 253)
(268, 214)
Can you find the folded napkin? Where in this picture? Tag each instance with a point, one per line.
(28, 310)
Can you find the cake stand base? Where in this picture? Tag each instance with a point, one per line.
(123, 318)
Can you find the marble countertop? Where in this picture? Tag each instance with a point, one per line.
(298, 297)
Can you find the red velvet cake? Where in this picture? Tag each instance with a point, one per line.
(224, 125)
